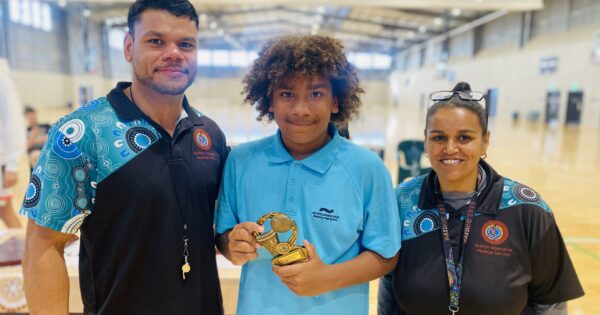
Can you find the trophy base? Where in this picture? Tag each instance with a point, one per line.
(297, 254)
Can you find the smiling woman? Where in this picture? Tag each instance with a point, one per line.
(493, 229)
(456, 136)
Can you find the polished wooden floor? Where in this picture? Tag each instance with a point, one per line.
(561, 163)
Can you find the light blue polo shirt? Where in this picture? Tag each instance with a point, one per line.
(342, 200)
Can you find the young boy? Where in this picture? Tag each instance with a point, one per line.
(340, 195)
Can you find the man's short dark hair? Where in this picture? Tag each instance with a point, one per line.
(28, 109)
(175, 7)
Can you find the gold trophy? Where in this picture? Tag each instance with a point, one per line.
(284, 253)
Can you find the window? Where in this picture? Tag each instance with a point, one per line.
(363, 60)
(14, 8)
(204, 58)
(226, 58)
(36, 12)
(370, 61)
(381, 61)
(26, 13)
(115, 38)
(239, 58)
(252, 55)
(220, 58)
(31, 13)
(46, 18)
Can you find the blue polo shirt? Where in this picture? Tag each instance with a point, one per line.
(342, 200)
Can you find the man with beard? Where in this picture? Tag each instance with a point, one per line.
(138, 173)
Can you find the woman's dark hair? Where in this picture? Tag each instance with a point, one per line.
(176, 7)
(456, 101)
(306, 55)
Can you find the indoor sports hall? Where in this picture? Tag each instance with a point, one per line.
(537, 63)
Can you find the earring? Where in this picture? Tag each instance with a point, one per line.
(484, 156)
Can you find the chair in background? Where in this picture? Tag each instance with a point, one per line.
(409, 159)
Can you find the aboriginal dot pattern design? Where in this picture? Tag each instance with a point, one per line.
(83, 149)
(515, 193)
(416, 222)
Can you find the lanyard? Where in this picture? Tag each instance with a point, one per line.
(179, 172)
(454, 271)
(176, 169)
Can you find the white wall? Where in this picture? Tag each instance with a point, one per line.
(48, 89)
(515, 72)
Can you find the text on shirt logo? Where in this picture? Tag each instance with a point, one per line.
(325, 214)
(494, 233)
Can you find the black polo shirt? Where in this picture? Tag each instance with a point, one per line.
(116, 174)
(515, 255)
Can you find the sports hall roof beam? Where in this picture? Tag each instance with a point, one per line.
(231, 28)
(340, 17)
(245, 39)
(360, 20)
(461, 29)
(432, 14)
(512, 5)
(351, 45)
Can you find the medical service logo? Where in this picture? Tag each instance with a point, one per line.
(494, 232)
(202, 139)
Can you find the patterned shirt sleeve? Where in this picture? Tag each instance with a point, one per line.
(61, 189)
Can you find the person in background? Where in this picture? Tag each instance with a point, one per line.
(37, 135)
(339, 194)
(473, 241)
(12, 146)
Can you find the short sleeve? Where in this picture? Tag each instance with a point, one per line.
(226, 215)
(554, 278)
(62, 185)
(381, 229)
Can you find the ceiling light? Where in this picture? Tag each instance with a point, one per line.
(437, 21)
(212, 25)
(410, 34)
(456, 12)
(87, 12)
(422, 29)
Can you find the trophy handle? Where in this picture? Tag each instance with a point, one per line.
(292, 240)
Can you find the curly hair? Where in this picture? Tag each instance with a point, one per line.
(305, 55)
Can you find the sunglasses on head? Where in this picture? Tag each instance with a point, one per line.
(463, 95)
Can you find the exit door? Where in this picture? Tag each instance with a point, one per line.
(552, 106)
(574, 107)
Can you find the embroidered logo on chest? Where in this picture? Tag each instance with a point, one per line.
(325, 215)
(202, 139)
(204, 143)
(494, 233)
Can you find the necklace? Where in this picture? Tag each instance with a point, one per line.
(186, 267)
